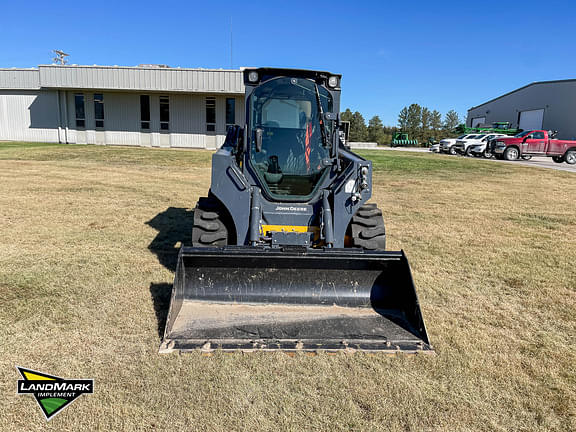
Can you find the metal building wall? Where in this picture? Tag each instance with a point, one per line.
(38, 104)
(29, 115)
(122, 120)
(557, 98)
(142, 78)
(19, 79)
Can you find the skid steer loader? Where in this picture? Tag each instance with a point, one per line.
(286, 252)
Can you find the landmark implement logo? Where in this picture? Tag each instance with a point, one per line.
(52, 393)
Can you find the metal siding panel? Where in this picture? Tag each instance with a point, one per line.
(197, 114)
(19, 79)
(166, 80)
(154, 80)
(121, 118)
(29, 116)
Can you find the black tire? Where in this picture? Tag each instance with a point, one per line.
(558, 159)
(499, 156)
(209, 229)
(570, 157)
(452, 151)
(367, 228)
(511, 154)
(469, 152)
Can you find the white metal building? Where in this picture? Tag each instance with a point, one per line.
(548, 105)
(138, 106)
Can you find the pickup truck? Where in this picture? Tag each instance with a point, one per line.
(535, 143)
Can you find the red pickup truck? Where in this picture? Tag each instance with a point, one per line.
(534, 143)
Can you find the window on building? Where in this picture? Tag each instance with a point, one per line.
(230, 112)
(164, 112)
(144, 112)
(80, 111)
(210, 114)
(99, 109)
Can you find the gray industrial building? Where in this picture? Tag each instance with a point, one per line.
(548, 105)
(148, 106)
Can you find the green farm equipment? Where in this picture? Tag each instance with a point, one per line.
(402, 139)
(496, 127)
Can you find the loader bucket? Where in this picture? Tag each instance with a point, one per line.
(249, 299)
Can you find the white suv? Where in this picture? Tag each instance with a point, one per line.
(478, 147)
(447, 143)
(464, 146)
(483, 148)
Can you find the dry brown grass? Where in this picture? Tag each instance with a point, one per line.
(88, 234)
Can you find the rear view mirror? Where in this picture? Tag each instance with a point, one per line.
(258, 139)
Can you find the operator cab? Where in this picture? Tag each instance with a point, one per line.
(289, 135)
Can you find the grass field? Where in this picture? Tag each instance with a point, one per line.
(86, 257)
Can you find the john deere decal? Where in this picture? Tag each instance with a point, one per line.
(52, 393)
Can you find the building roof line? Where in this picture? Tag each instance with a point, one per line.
(19, 69)
(73, 66)
(522, 88)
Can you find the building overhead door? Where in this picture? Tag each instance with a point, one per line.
(477, 121)
(531, 120)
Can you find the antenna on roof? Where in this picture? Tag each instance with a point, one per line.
(60, 57)
(231, 63)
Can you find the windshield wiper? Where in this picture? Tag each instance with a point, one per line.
(321, 115)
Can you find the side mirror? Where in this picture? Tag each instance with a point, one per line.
(258, 139)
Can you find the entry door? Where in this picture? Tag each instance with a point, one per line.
(536, 143)
(531, 120)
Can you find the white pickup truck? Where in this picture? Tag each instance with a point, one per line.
(464, 146)
(447, 144)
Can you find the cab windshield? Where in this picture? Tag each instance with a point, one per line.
(290, 161)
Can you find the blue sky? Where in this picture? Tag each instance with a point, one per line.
(443, 55)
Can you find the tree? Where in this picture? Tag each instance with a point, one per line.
(451, 120)
(346, 115)
(403, 119)
(435, 121)
(425, 119)
(358, 131)
(414, 119)
(376, 130)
